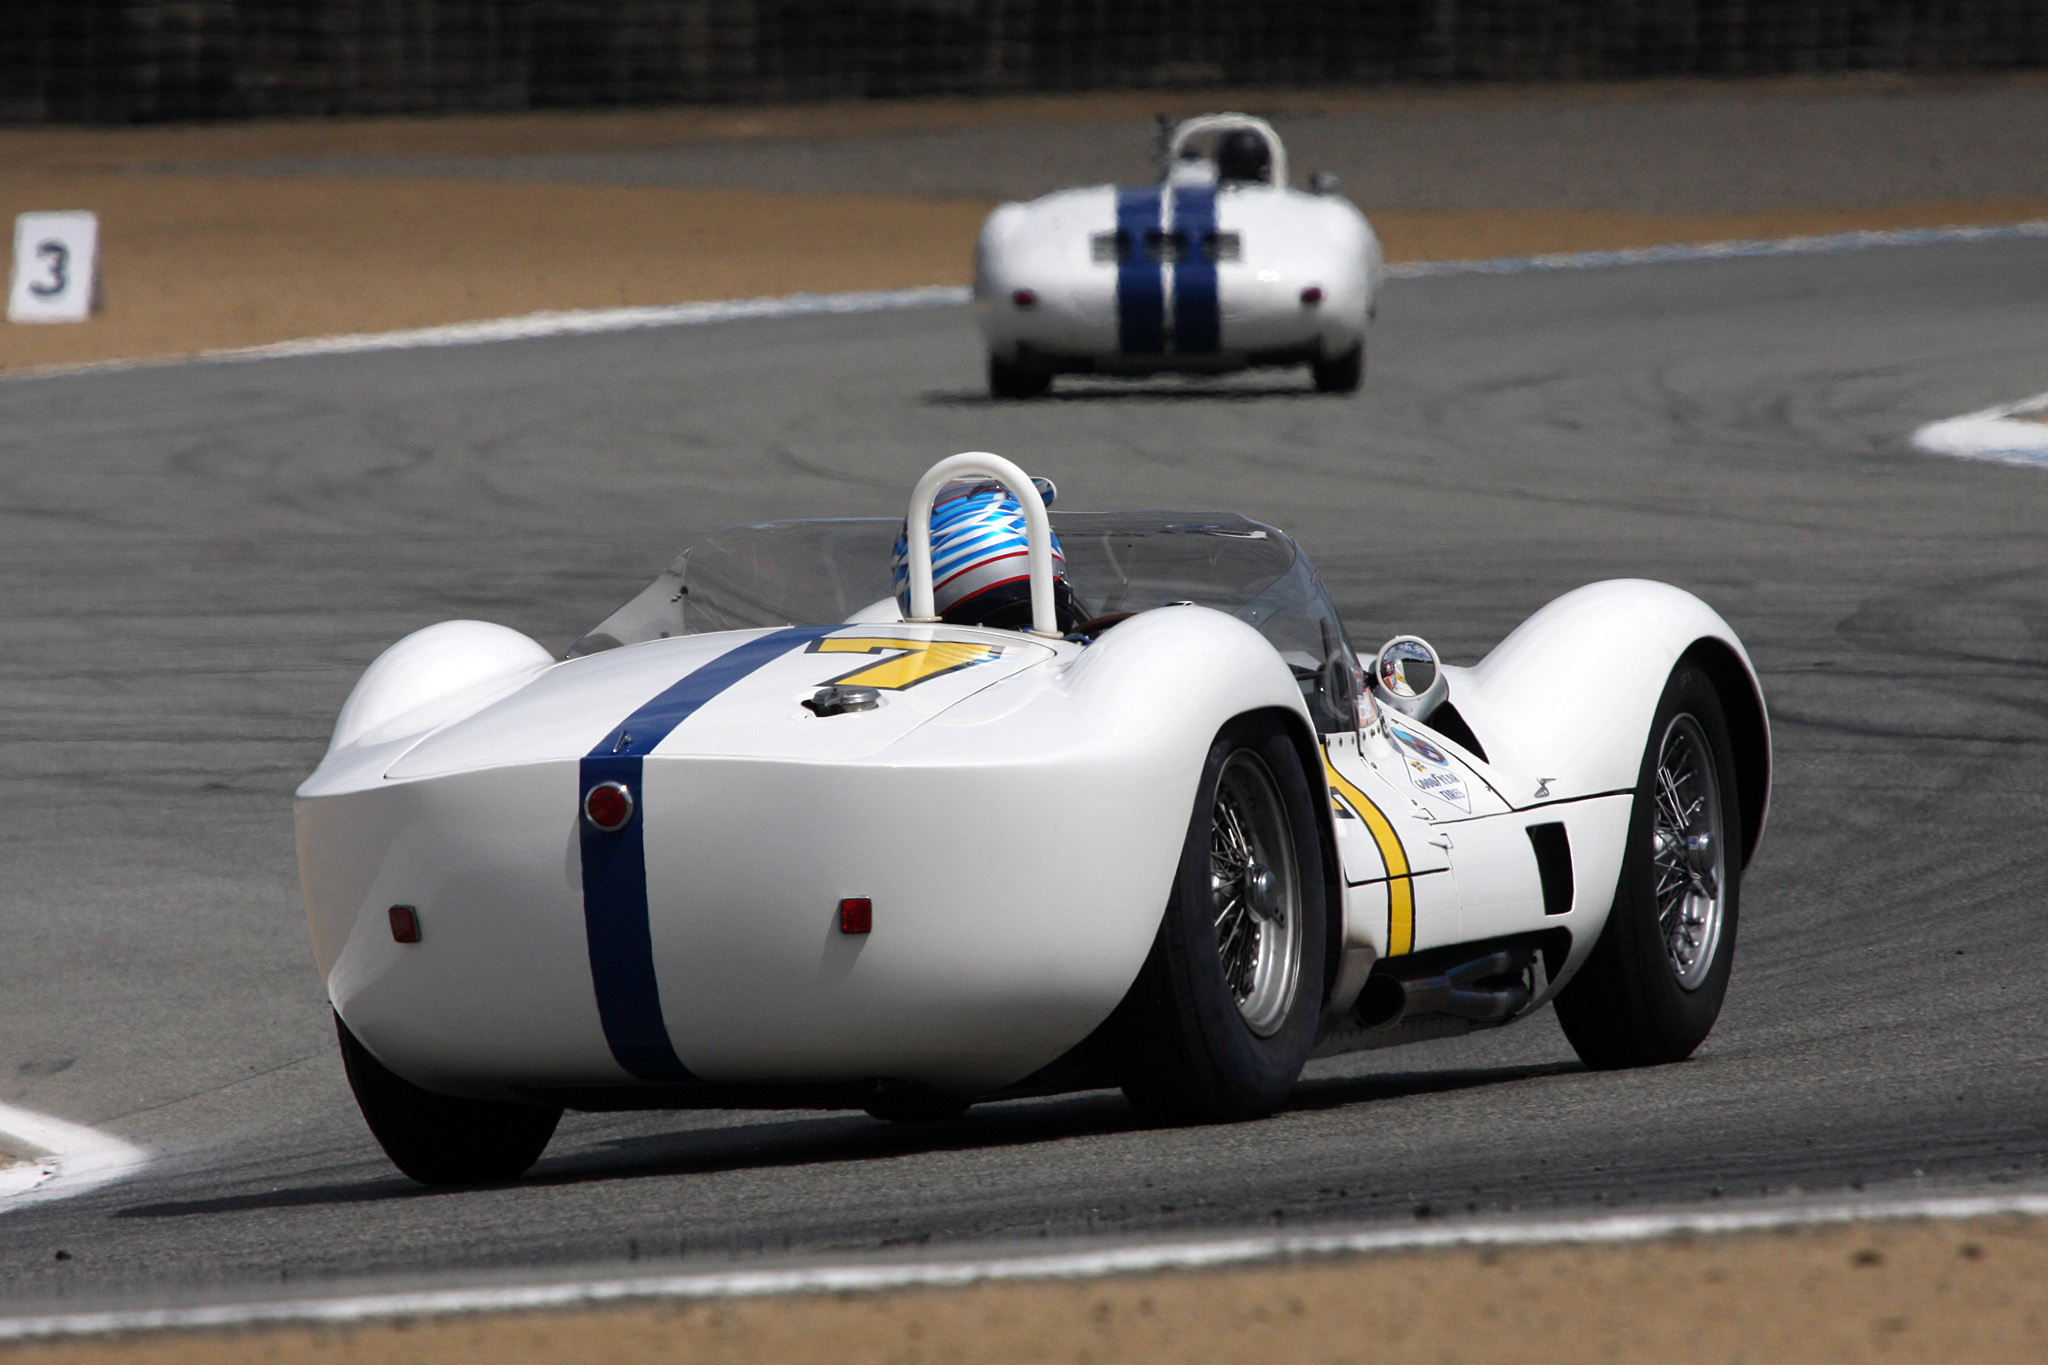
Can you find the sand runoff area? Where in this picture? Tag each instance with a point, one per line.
(245, 234)
(1937, 1292)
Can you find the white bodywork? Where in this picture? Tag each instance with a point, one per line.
(1220, 288)
(1014, 809)
(1563, 707)
(988, 958)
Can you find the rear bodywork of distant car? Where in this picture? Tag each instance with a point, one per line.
(1191, 274)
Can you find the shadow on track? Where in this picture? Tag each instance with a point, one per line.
(843, 1137)
(976, 398)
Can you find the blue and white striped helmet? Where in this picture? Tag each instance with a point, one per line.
(980, 553)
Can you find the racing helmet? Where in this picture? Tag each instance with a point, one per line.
(981, 574)
(1242, 154)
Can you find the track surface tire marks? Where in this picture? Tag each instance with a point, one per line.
(199, 560)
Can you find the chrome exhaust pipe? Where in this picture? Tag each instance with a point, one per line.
(1459, 991)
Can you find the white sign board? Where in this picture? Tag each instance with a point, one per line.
(55, 258)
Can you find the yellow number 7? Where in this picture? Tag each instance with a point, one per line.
(919, 661)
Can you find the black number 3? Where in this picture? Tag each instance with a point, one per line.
(57, 256)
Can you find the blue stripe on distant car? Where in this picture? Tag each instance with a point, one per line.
(1140, 287)
(1197, 313)
(615, 865)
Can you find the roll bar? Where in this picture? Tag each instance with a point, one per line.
(1214, 123)
(971, 464)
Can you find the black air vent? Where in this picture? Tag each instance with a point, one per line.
(1446, 721)
(1554, 865)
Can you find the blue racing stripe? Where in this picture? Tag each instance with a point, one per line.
(615, 865)
(1140, 288)
(1197, 314)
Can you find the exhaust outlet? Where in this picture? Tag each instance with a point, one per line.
(1462, 992)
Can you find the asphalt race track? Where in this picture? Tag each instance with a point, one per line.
(198, 559)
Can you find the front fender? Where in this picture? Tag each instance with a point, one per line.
(1564, 703)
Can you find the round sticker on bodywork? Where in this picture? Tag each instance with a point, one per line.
(1430, 770)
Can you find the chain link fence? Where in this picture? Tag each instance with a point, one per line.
(121, 61)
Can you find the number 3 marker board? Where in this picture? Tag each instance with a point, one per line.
(56, 256)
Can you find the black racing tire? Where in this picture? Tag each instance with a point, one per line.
(1343, 374)
(1652, 987)
(1202, 1037)
(438, 1140)
(1009, 380)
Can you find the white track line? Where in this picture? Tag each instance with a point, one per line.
(2014, 433)
(589, 322)
(1829, 245)
(1125, 1259)
(560, 323)
(64, 1158)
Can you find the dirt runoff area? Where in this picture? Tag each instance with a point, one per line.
(240, 235)
(1938, 1292)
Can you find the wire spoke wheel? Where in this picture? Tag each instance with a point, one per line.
(1653, 985)
(1222, 1016)
(1688, 854)
(1255, 894)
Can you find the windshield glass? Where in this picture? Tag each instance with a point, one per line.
(784, 573)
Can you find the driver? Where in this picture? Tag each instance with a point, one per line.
(980, 560)
(1243, 155)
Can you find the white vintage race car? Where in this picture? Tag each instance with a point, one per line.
(1219, 266)
(765, 840)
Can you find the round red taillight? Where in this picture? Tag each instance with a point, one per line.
(1312, 295)
(608, 805)
(1024, 298)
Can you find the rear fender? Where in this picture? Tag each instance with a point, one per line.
(1310, 749)
(1186, 672)
(1145, 661)
(407, 688)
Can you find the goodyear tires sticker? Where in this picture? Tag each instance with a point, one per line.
(1430, 770)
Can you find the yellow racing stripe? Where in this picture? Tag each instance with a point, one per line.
(1400, 884)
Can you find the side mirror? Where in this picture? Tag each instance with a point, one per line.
(1409, 677)
(1322, 182)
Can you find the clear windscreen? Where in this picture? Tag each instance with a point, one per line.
(823, 572)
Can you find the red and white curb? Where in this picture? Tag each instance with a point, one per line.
(2014, 433)
(61, 1158)
(1126, 1258)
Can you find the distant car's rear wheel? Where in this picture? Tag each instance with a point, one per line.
(1223, 1014)
(438, 1140)
(1007, 379)
(1653, 985)
(1343, 374)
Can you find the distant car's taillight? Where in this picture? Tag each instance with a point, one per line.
(856, 915)
(1312, 296)
(405, 924)
(608, 806)
(1024, 298)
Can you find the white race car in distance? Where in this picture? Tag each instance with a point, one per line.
(1219, 266)
(765, 839)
